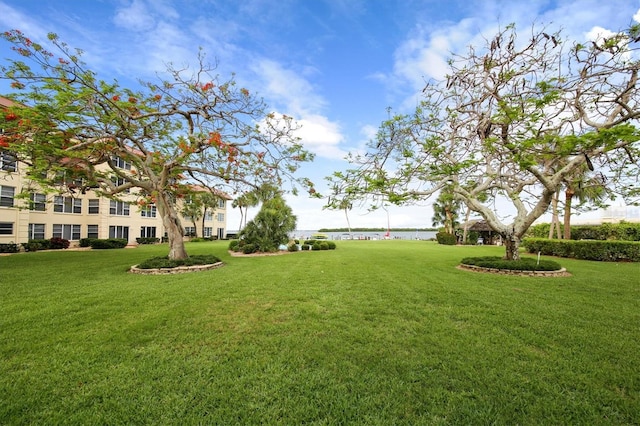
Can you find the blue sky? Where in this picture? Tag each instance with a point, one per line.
(334, 65)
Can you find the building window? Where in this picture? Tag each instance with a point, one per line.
(6, 196)
(208, 215)
(118, 181)
(120, 163)
(221, 203)
(207, 231)
(38, 202)
(92, 231)
(147, 232)
(119, 208)
(68, 232)
(220, 217)
(6, 228)
(8, 162)
(36, 231)
(119, 232)
(67, 205)
(149, 211)
(94, 206)
(189, 231)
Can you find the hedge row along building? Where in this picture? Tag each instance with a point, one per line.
(27, 213)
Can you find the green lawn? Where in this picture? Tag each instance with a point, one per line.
(375, 332)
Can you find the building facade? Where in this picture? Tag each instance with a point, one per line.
(27, 213)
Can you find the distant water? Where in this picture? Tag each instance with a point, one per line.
(378, 235)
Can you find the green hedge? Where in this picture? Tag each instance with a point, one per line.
(524, 264)
(110, 243)
(147, 240)
(9, 248)
(609, 251)
(165, 262)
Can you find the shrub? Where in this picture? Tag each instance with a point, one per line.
(85, 242)
(332, 245)
(446, 238)
(315, 245)
(524, 264)
(147, 240)
(9, 248)
(57, 243)
(110, 243)
(293, 247)
(165, 262)
(35, 245)
(324, 245)
(233, 245)
(249, 248)
(612, 251)
(305, 246)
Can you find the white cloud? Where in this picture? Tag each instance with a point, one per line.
(636, 16)
(294, 94)
(135, 17)
(597, 33)
(321, 136)
(286, 87)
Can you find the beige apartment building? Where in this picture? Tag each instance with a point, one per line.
(76, 216)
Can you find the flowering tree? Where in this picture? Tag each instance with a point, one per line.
(190, 128)
(511, 123)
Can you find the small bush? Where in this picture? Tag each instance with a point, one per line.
(110, 243)
(9, 248)
(249, 248)
(197, 239)
(147, 240)
(233, 245)
(315, 245)
(35, 245)
(86, 242)
(332, 245)
(165, 262)
(609, 251)
(293, 247)
(446, 238)
(324, 245)
(57, 243)
(305, 247)
(524, 264)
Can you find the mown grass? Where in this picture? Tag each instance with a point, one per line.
(375, 332)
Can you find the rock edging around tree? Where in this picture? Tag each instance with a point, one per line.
(177, 270)
(559, 273)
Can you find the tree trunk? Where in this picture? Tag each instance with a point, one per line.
(172, 226)
(511, 245)
(346, 214)
(555, 222)
(195, 228)
(204, 216)
(448, 226)
(466, 226)
(568, 196)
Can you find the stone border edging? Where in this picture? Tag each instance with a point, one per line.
(559, 273)
(177, 270)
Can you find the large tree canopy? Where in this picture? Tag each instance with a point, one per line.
(189, 127)
(511, 123)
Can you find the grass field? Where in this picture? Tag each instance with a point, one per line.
(375, 332)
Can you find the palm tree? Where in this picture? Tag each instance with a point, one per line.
(252, 198)
(586, 189)
(445, 210)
